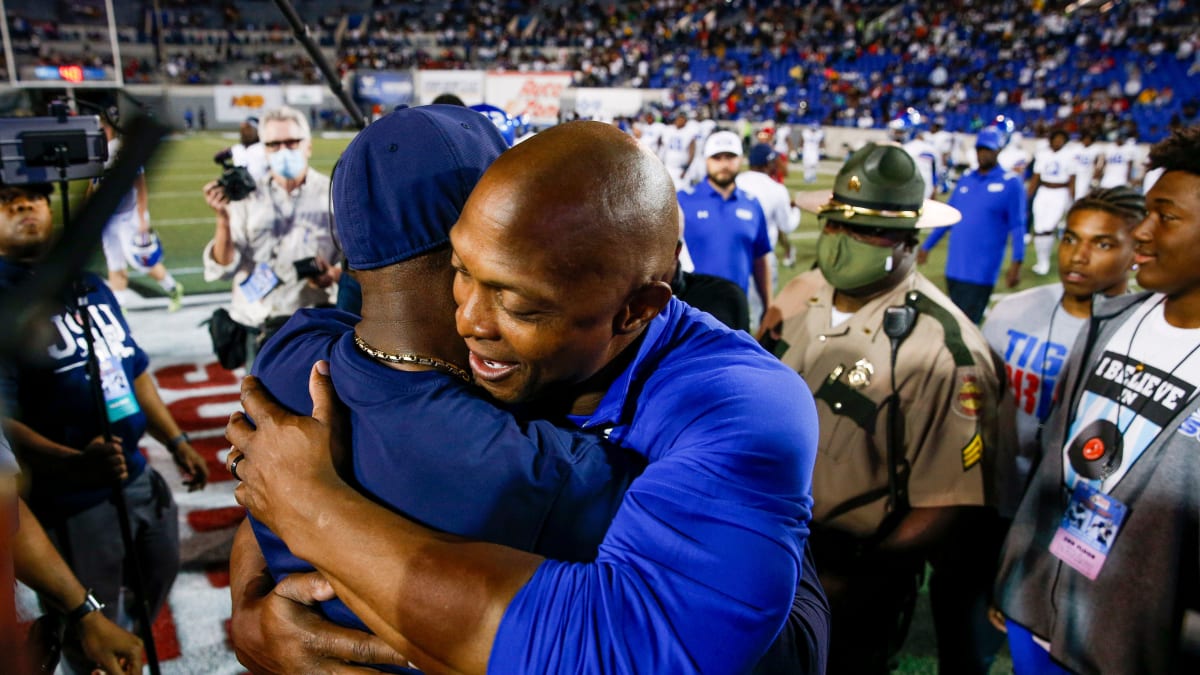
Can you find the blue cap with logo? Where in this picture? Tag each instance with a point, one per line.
(401, 183)
(990, 138)
(503, 121)
(762, 155)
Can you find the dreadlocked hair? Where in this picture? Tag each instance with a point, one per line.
(1178, 152)
(1124, 202)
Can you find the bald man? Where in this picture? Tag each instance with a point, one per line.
(562, 285)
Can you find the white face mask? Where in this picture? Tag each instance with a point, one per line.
(289, 164)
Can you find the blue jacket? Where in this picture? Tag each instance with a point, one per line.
(993, 208)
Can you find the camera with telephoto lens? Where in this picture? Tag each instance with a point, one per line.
(236, 181)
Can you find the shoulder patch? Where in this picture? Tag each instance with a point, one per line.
(972, 452)
(968, 400)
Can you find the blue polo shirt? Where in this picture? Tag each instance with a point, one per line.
(432, 448)
(724, 236)
(698, 571)
(993, 209)
(55, 399)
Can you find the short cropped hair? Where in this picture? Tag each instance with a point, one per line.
(287, 114)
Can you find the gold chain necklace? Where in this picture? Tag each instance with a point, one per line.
(410, 357)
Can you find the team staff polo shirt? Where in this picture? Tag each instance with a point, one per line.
(430, 446)
(723, 235)
(699, 568)
(56, 400)
(993, 208)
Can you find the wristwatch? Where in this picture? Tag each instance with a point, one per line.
(90, 604)
(173, 444)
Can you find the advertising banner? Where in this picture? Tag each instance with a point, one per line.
(532, 95)
(465, 84)
(385, 87)
(303, 94)
(234, 103)
(597, 103)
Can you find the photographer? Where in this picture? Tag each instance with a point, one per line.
(276, 243)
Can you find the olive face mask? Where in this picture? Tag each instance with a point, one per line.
(849, 264)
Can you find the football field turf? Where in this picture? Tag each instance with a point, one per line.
(184, 222)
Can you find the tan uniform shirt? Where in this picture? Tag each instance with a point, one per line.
(948, 408)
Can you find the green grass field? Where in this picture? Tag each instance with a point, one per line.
(185, 224)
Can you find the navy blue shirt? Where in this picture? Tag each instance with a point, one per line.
(993, 209)
(431, 447)
(724, 236)
(55, 397)
(699, 569)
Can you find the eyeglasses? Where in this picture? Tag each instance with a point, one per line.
(289, 143)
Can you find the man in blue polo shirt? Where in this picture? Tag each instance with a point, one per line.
(992, 202)
(726, 231)
(572, 313)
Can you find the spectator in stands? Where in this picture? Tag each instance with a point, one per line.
(992, 202)
(276, 244)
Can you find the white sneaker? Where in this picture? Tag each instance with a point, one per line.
(1041, 269)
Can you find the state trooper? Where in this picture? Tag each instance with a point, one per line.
(907, 396)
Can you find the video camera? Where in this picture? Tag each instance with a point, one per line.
(236, 181)
(54, 148)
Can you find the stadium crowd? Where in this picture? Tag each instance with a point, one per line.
(615, 458)
(833, 62)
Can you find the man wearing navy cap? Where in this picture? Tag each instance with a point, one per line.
(992, 202)
(467, 467)
(562, 285)
(776, 204)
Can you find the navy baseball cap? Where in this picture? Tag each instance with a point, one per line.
(402, 182)
(762, 155)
